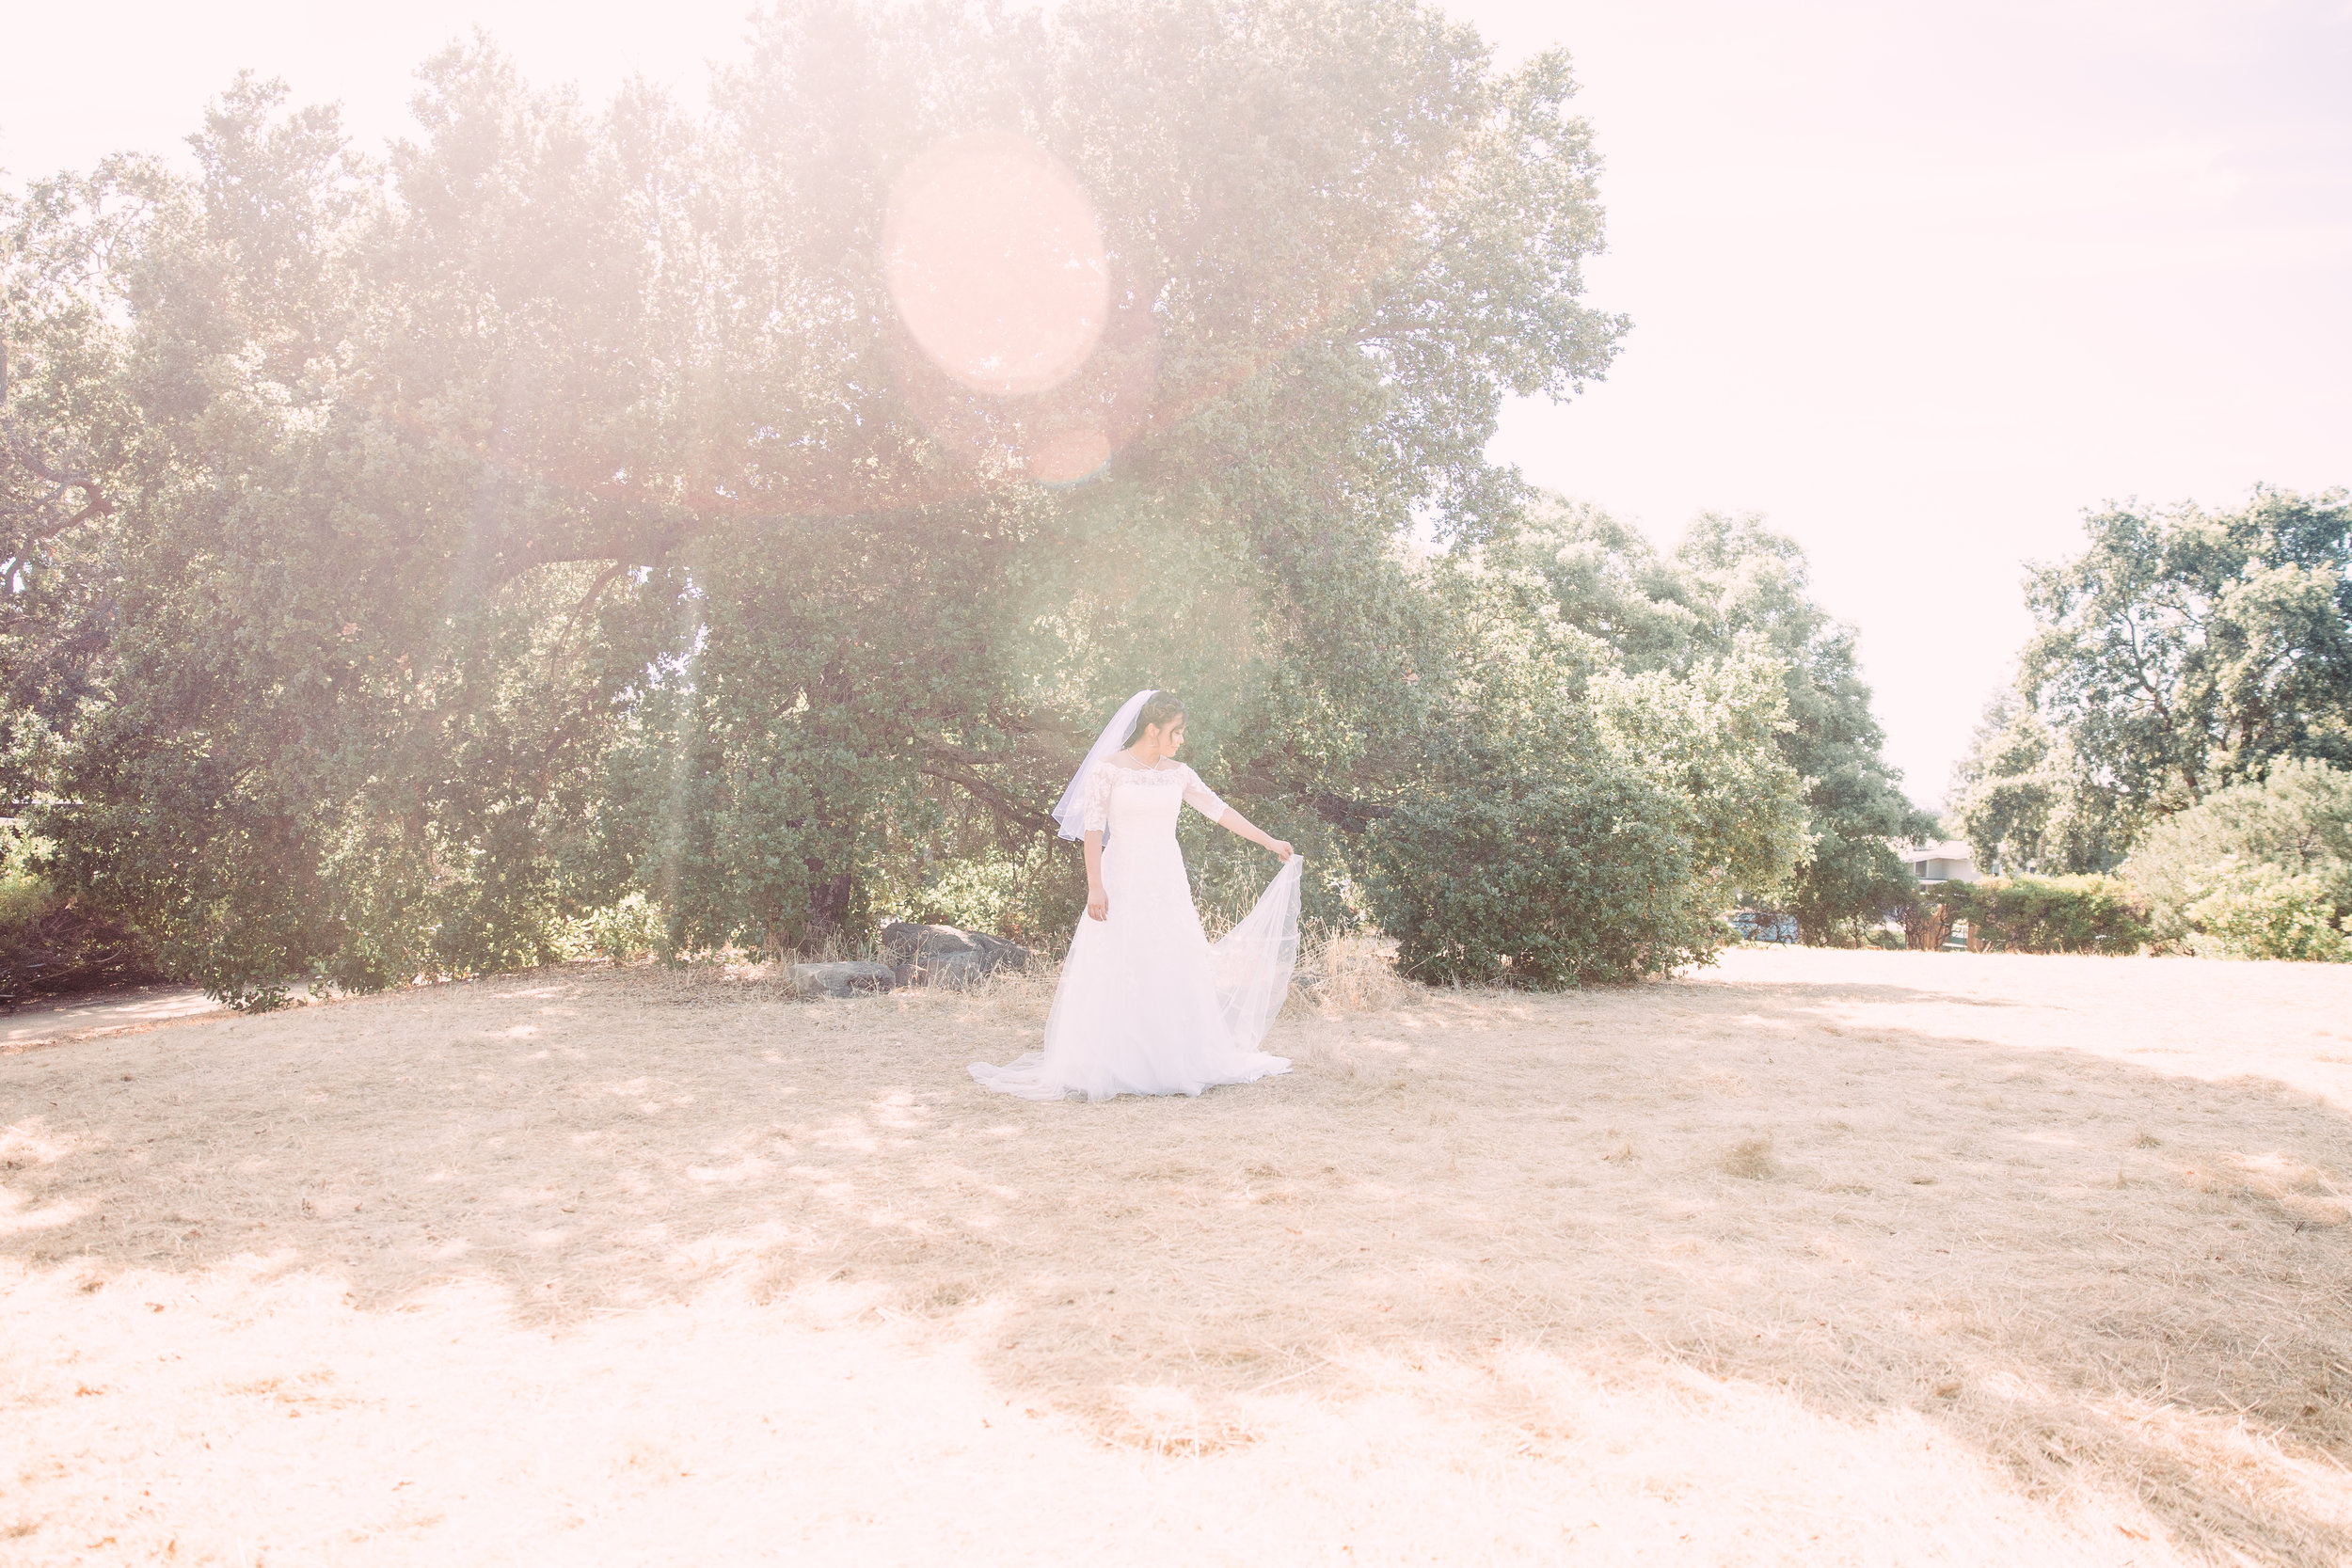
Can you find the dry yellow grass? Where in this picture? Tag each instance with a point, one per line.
(1819, 1258)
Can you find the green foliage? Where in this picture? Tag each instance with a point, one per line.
(2183, 652)
(624, 932)
(1732, 579)
(2023, 800)
(50, 944)
(2085, 913)
(1711, 740)
(547, 528)
(2261, 910)
(2297, 820)
(25, 893)
(552, 510)
(1556, 839)
(1755, 581)
(1463, 881)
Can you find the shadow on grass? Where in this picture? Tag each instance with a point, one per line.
(2094, 1273)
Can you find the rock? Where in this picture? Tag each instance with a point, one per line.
(944, 955)
(948, 971)
(846, 980)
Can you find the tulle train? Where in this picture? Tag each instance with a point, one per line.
(1147, 1005)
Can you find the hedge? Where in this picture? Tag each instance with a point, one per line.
(2037, 914)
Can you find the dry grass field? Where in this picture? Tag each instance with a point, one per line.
(1815, 1257)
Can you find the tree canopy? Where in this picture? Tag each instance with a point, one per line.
(2297, 820)
(410, 553)
(1734, 584)
(2182, 652)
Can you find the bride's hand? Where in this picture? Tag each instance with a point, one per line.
(1281, 848)
(1098, 905)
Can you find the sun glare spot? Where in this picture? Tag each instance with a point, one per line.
(995, 261)
(1071, 457)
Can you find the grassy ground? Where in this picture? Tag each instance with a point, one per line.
(1817, 1258)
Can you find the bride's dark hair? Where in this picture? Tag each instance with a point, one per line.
(1162, 708)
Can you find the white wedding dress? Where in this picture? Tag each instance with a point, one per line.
(1146, 1006)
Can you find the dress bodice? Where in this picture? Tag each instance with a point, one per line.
(1133, 802)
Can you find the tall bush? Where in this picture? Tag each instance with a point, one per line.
(50, 944)
(1734, 578)
(2297, 820)
(2261, 910)
(2086, 913)
(1577, 838)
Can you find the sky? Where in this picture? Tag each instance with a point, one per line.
(1919, 283)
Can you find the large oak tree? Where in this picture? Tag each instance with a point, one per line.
(557, 504)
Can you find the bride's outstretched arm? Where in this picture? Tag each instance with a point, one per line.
(1098, 901)
(1235, 822)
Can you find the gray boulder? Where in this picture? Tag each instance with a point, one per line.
(944, 955)
(846, 980)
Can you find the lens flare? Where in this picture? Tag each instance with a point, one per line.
(1023, 342)
(1070, 456)
(995, 261)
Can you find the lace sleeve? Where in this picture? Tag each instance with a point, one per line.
(1201, 797)
(1094, 804)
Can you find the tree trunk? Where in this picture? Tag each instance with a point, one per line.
(829, 903)
(1927, 925)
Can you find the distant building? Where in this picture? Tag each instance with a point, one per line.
(1948, 862)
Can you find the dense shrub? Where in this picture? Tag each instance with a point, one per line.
(624, 932)
(2260, 911)
(1590, 840)
(62, 947)
(1928, 918)
(2052, 914)
(2297, 820)
(1575, 877)
(50, 944)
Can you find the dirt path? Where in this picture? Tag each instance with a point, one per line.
(101, 1013)
(1820, 1258)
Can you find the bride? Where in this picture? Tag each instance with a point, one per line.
(1146, 1006)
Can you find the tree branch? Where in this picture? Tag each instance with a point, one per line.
(604, 581)
(1017, 812)
(43, 516)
